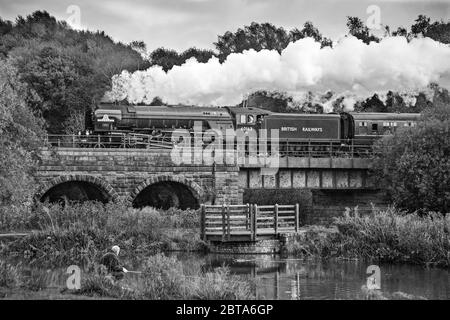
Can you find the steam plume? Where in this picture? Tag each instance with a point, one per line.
(350, 66)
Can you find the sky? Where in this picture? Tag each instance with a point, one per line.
(180, 24)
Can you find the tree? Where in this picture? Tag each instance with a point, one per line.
(68, 71)
(257, 36)
(260, 36)
(421, 26)
(309, 31)
(62, 82)
(358, 29)
(372, 104)
(201, 55)
(395, 103)
(157, 101)
(400, 32)
(166, 58)
(414, 163)
(273, 101)
(21, 134)
(141, 48)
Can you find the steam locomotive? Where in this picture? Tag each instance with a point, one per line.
(144, 126)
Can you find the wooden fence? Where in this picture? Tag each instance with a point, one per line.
(247, 222)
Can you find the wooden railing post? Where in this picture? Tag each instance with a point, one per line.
(276, 218)
(252, 213)
(331, 149)
(248, 217)
(228, 223)
(353, 148)
(203, 222)
(309, 148)
(223, 222)
(255, 222)
(297, 217)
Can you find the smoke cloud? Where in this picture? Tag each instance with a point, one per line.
(350, 66)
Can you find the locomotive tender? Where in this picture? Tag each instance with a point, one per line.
(152, 123)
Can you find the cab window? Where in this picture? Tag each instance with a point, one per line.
(374, 126)
(243, 119)
(250, 118)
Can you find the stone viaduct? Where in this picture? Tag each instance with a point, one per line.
(324, 187)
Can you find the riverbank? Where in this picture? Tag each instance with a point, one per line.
(79, 234)
(385, 236)
(161, 277)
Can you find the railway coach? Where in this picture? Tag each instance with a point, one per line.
(370, 126)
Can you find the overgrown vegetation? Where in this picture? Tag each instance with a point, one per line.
(164, 278)
(79, 233)
(20, 135)
(9, 275)
(387, 236)
(414, 163)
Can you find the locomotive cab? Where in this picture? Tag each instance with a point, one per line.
(248, 119)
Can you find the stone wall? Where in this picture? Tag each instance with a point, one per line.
(126, 172)
(327, 204)
(319, 206)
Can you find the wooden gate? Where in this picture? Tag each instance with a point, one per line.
(247, 222)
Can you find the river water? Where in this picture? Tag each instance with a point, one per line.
(289, 278)
(284, 278)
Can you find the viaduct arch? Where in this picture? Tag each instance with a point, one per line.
(167, 191)
(76, 188)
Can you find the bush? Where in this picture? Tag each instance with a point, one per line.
(14, 218)
(221, 285)
(98, 285)
(414, 165)
(9, 275)
(395, 236)
(280, 196)
(315, 241)
(388, 236)
(163, 278)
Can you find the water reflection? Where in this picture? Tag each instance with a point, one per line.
(287, 278)
(279, 278)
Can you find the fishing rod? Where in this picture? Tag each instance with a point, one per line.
(135, 272)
